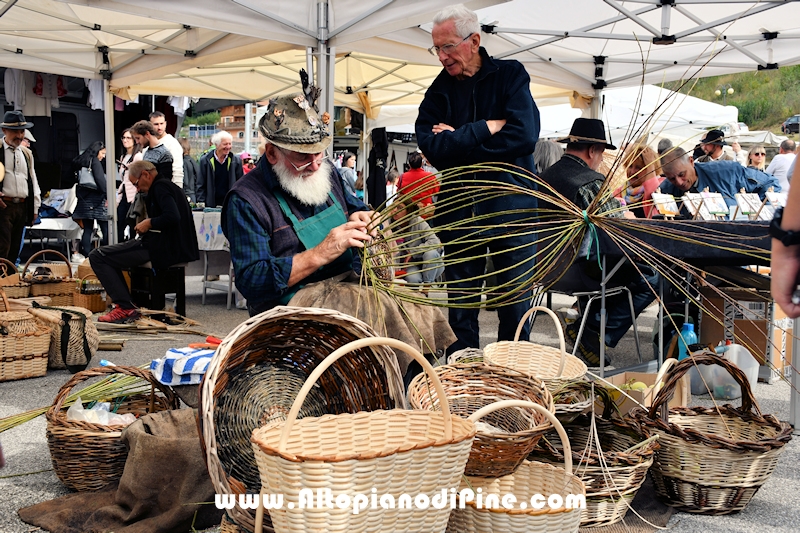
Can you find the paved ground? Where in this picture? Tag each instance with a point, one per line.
(29, 478)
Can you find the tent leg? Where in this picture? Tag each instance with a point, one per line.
(111, 158)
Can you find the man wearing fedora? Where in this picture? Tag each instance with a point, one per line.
(712, 144)
(21, 196)
(575, 177)
(289, 221)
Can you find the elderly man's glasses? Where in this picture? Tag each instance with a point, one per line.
(448, 48)
(300, 168)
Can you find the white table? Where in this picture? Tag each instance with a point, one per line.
(63, 230)
(215, 251)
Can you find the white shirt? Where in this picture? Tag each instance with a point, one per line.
(779, 167)
(15, 181)
(175, 148)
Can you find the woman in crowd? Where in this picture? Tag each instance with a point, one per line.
(420, 250)
(127, 190)
(644, 175)
(190, 171)
(348, 172)
(92, 204)
(545, 154)
(757, 158)
(422, 185)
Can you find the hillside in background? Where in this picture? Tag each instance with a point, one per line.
(765, 98)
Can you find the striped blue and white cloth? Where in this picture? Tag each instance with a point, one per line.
(182, 366)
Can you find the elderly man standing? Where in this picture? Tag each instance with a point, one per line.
(219, 170)
(479, 110)
(159, 122)
(21, 196)
(166, 238)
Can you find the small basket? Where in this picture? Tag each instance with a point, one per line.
(89, 456)
(553, 365)
(392, 452)
(74, 340)
(94, 302)
(23, 351)
(466, 355)
(712, 460)
(500, 447)
(574, 398)
(530, 479)
(12, 282)
(60, 287)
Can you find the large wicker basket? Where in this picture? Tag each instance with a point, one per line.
(12, 282)
(256, 374)
(74, 337)
(89, 456)
(397, 452)
(531, 479)
(511, 434)
(60, 287)
(24, 348)
(553, 365)
(712, 460)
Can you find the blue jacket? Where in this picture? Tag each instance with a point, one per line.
(502, 91)
(728, 178)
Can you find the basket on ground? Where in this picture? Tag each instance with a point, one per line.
(712, 460)
(397, 452)
(531, 479)
(505, 437)
(256, 374)
(89, 294)
(73, 339)
(54, 279)
(553, 365)
(89, 456)
(24, 345)
(12, 282)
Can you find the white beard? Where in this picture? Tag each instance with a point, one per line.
(309, 189)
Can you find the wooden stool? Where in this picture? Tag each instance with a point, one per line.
(149, 287)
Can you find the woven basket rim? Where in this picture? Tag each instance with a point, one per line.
(571, 363)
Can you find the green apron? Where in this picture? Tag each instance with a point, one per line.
(312, 231)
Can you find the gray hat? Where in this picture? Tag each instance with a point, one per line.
(292, 123)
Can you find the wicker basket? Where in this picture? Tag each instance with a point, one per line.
(60, 288)
(612, 477)
(89, 456)
(23, 351)
(256, 374)
(553, 365)
(575, 398)
(74, 341)
(94, 302)
(712, 460)
(12, 282)
(512, 433)
(392, 452)
(467, 355)
(530, 479)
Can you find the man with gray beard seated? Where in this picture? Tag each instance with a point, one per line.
(289, 221)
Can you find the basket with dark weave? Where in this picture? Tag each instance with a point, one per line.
(505, 437)
(54, 280)
(88, 456)
(254, 378)
(712, 459)
(12, 282)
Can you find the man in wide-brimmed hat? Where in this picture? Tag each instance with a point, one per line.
(712, 144)
(21, 196)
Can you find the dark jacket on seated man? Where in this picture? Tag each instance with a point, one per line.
(172, 239)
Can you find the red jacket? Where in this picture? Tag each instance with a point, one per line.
(422, 184)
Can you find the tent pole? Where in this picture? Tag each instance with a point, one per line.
(597, 111)
(248, 126)
(111, 162)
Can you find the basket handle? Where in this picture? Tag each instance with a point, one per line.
(354, 345)
(42, 252)
(663, 397)
(561, 344)
(6, 262)
(492, 407)
(5, 300)
(659, 384)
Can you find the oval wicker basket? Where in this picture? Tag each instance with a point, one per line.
(60, 287)
(89, 456)
(553, 365)
(68, 349)
(12, 282)
(285, 344)
(392, 452)
(532, 478)
(24, 348)
(511, 434)
(712, 460)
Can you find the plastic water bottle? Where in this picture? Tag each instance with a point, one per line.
(687, 338)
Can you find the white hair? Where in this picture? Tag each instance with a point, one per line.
(216, 139)
(466, 21)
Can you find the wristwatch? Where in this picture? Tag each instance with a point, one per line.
(787, 238)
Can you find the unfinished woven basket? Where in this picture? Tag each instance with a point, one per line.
(24, 349)
(61, 285)
(393, 452)
(712, 460)
(553, 365)
(256, 374)
(505, 437)
(12, 282)
(531, 479)
(89, 456)
(71, 348)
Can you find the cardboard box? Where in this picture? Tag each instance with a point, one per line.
(681, 398)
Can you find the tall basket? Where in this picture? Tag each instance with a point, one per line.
(712, 459)
(74, 339)
(530, 480)
(59, 284)
(553, 365)
(391, 453)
